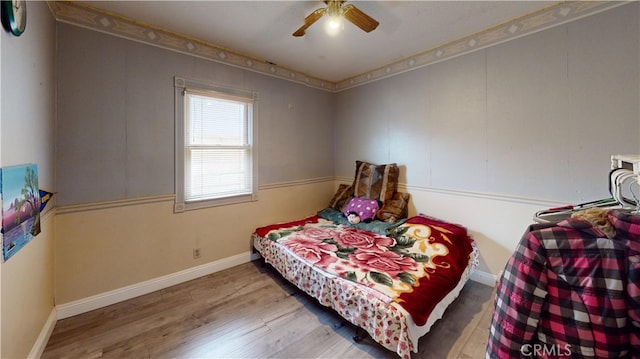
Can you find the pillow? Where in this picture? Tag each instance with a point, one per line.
(365, 208)
(377, 182)
(342, 197)
(394, 208)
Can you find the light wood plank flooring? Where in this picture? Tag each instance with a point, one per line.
(249, 311)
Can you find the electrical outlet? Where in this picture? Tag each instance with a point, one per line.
(196, 253)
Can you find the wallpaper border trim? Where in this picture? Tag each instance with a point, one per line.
(66, 209)
(99, 20)
(545, 18)
(62, 210)
(403, 187)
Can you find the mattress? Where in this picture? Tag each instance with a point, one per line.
(384, 304)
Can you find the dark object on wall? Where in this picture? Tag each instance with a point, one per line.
(45, 196)
(14, 16)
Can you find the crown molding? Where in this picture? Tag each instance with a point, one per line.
(545, 18)
(99, 20)
(106, 22)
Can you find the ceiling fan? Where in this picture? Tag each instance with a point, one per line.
(336, 8)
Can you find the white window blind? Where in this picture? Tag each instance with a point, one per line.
(216, 142)
(217, 146)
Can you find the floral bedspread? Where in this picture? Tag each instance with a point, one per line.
(413, 267)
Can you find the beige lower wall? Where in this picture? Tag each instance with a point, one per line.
(106, 247)
(102, 248)
(27, 292)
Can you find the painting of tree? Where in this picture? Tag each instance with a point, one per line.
(20, 207)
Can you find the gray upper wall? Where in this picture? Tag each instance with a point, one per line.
(534, 117)
(537, 117)
(115, 127)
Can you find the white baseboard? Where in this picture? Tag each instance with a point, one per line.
(43, 338)
(80, 306)
(484, 278)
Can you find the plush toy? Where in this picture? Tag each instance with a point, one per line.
(361, 210)
(353, 218)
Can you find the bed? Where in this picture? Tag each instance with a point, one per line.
(390, 275)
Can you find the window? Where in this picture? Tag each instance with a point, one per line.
(215, 154)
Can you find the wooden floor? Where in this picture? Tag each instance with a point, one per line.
(249, 311)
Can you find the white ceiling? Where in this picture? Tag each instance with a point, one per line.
(263, 29)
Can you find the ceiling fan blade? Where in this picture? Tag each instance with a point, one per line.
(358, 18)
(309, 20)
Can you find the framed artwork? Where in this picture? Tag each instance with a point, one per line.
(20, 207)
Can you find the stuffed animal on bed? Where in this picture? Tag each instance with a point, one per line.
(353, 218)
(361, 210)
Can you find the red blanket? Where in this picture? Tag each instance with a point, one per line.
(416, 264)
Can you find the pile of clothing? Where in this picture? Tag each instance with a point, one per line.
(571, 289)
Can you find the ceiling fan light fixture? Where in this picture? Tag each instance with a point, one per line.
(335, 22)
(333, 25)
(334, 18)
(337, 12)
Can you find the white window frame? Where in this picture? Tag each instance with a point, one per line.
(183, 86)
